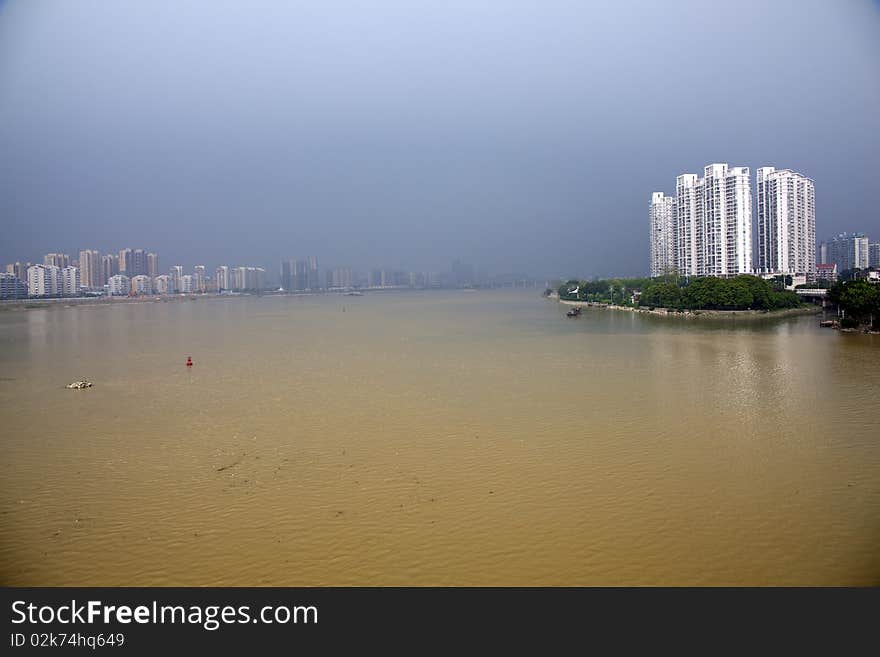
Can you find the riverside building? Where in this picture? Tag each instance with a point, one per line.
(12, 287)
(706, 230)
(44, 281)
(662, 216)
(786, 203)
(70, 281)
(162, 284)
(141, 284)
(119, 285)
(221, 276)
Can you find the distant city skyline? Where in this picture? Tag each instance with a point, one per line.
(130, 271)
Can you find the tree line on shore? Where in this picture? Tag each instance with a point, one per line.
(858, 300)
(742, 292)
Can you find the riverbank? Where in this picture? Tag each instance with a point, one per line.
(702, 314)
(67, 302)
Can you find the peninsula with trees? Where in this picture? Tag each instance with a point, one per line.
(857, 300)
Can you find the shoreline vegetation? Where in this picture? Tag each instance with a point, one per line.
(857, 300)
(744, 296)
(704, 314)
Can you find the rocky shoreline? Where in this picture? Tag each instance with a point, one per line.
(702, 314)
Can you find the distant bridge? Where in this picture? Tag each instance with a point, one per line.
(815, 294)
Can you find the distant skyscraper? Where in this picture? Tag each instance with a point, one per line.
(199, 279)
(786, 222)
(339, 278)
(126, 262)
(662, 223)
(187, 284)
(298, 275)
(109, 267)
(176, 274)
(139, 263)
(248, 279)
(152, 265)
(19, 270)
(59, 260)
(288, 271)
(91, 271)
(847, 251)
(222, 278)
(239, 279)
(312, 279)
(874, 254)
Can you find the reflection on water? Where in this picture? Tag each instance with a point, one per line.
(433, 438)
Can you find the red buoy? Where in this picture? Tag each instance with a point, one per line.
(189, 361)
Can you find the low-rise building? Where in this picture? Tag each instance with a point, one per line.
(70, 281)
(12, 287)
(826, 272)
(119, 285)
(187, 284)
(44, 281)
(162, 284)
(141, 284)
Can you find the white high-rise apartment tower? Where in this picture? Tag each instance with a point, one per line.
(713, 222)
(726, 217)
(688, 244)
(786, 222)
(662, 215)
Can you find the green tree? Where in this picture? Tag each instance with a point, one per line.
(859, 299)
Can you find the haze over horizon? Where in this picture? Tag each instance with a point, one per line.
(517, 136)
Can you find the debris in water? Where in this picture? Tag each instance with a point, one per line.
(231, 465)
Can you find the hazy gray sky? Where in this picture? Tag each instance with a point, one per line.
(524, 136)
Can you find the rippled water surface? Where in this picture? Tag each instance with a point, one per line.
(433, 438)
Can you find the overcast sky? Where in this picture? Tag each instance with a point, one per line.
(521, 136)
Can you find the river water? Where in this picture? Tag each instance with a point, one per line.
(434, 438)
